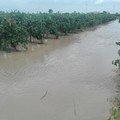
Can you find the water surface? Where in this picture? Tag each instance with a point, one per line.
(66, 79)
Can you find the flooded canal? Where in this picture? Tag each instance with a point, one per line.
(66, 79)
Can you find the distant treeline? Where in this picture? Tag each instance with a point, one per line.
(18, 28)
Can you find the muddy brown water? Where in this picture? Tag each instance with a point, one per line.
(66, 79)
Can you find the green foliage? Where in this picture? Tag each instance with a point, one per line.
(117, 61)
(17, 27)
(12, 30)
(115, 114)
(115, 111)
(50, 11)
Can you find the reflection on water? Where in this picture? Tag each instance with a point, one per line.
(72, 75)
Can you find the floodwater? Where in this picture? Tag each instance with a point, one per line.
(66, 79)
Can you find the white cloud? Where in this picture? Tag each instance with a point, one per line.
(102, 1)
(99, 1)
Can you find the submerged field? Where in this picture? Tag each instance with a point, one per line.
(71, 78)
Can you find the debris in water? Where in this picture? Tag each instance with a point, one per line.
(44, 95)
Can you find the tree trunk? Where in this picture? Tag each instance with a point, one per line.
(30, 38)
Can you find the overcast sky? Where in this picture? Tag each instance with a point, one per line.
(60, 5)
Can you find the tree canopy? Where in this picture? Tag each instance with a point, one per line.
(17, 27)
